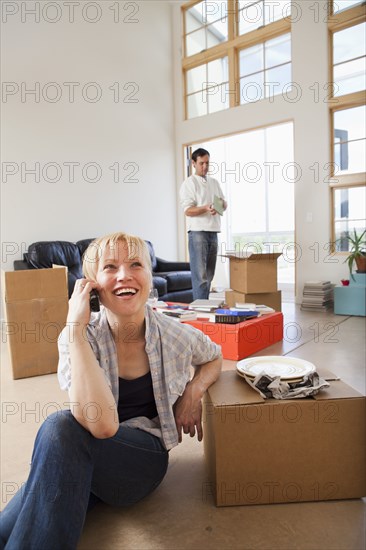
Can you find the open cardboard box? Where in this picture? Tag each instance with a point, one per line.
(265, 451)
(253, 272)
(36, 305)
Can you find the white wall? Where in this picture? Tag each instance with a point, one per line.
(311, 144)
(134, 52)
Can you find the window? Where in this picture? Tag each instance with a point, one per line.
(256, 171)
(254, 14)
(265, 69)
(341, 5)
(349, 65)
(205, 26)
(349, 214)
(235, 52)
(349, 140)
(207, 88)
(348, 113)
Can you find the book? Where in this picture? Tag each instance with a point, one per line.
(218, 205)
(256, 307)
(236, 312)
(206, 305)
(182, 315)
(317, 295)
(264, 309)
(319, 284)
(230, 316)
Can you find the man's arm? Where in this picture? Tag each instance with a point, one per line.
(188, 408)
(199, 210)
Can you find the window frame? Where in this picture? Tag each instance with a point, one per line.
(339, 21)
(229, 48)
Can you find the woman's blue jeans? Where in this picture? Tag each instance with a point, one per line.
(202, 246)
(70, 471)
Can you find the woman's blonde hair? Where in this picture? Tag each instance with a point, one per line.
(137, 248)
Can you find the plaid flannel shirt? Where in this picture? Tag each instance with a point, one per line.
(172, 348)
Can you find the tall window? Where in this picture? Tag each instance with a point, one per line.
(256, 172)
(235, 52)
(348, 115)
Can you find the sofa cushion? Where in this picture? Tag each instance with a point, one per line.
(160, 284)
(83, 245)
(177, 280)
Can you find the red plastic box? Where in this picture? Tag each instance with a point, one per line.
(240, 340)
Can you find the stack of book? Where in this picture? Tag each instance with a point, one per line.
(181, 314)
(207, 305)
(229, 316)
(317, 296)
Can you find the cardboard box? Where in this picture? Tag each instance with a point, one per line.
(243, 339)
(36, 305)
(254, 272)
(270, 451)
(270, 299)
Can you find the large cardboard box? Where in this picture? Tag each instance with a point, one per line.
(253, 272)
(36, 305)
(240, 340)
(270, 451)
(270, 299)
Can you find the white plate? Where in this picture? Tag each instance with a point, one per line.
(289, 381)
(275, 365)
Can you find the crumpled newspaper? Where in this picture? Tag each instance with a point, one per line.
(268, 386)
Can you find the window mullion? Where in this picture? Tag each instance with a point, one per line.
(347, 18)
(231, 18)
(233, 78)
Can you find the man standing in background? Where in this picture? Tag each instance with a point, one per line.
(203, 202)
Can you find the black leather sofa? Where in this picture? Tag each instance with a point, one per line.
(172, 279)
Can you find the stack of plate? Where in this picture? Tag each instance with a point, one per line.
(289, 369)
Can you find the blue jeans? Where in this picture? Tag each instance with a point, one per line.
(202, 247)
(71, 470)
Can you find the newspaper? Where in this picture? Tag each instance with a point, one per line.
(268, 386)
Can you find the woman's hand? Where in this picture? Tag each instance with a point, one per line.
(79, 303)
(188, 408)
(188, 412)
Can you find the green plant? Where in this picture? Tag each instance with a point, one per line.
(357, 251)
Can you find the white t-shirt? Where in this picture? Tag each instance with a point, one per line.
(195, 191)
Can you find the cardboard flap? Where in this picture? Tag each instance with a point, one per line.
(250, 256)
(337, 390)
(231, 389)
(30, 284)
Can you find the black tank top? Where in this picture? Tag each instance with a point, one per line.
(136, 398)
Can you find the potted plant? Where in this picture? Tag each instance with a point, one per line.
(357, 251)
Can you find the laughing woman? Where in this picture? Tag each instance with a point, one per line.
(127, 369)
